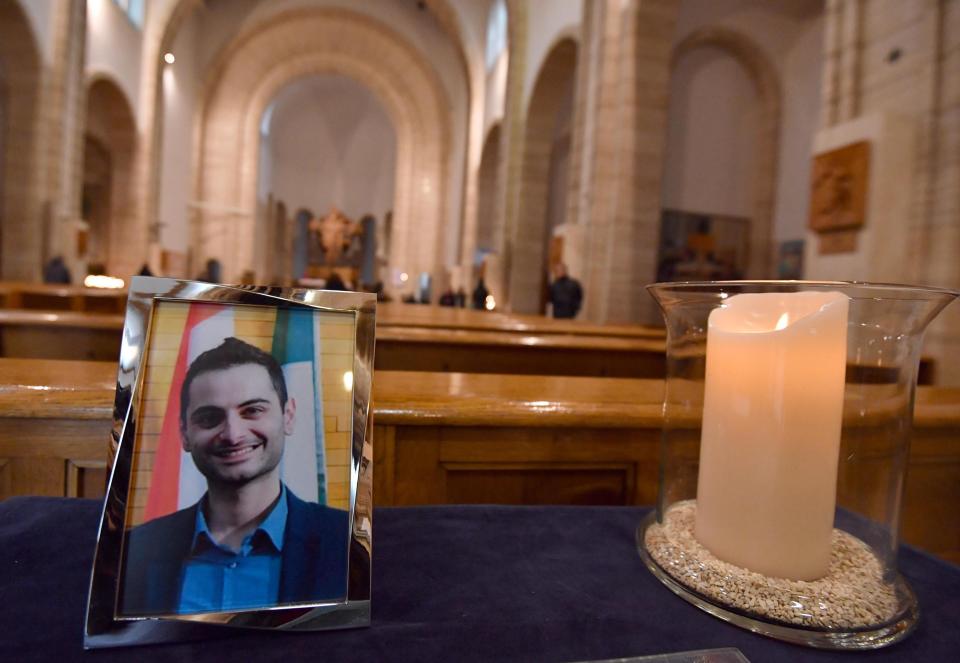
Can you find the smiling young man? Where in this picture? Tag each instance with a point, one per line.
(249, 542)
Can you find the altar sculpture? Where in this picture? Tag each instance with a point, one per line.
(334, 235)
(338, 244)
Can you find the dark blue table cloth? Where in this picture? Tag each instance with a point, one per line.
(454, 583)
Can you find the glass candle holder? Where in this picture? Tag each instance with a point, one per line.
(787, 421)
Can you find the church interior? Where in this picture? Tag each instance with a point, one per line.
(451, 156)
(510, 178)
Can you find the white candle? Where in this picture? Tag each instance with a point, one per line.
(770, 444)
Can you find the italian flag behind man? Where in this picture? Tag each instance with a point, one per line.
(175, 481)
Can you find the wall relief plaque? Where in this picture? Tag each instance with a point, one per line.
(838, 199)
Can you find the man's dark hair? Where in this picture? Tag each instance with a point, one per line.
(232, 352)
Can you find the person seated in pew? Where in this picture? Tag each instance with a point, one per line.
(448, 298)
(55, 271)
(249, 542)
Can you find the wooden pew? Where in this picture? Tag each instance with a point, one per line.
(460, 438)
(96, 336)
(52, 297)
(393, 314)
(55, 422)
(60, 335)
(484, 351)
(93, 336)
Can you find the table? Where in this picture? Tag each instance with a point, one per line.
(459, 583)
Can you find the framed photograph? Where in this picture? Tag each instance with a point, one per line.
(240, 488)
(702, 247)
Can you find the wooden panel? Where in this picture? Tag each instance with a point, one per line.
(86, 478)
(60, 335)
(932, 494)
(46, 301)
(37, 475)
(59, 297)
(42, 462)
(37, 342)
(418, 476)
(6, 480)
(384, 462)
(568, 465)
(546, 484)
(517, 359)
(103, 304)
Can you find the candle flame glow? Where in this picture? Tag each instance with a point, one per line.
(348, 381)
(783, 321)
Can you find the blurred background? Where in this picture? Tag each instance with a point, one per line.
(419, 147)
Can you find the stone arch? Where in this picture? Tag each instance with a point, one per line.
(349, 147)
(108, 202)
(487, 189)
(764, 76)
(159, 35)
(528, 259)
(300, 43)
(20, 211)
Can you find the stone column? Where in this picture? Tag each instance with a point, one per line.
(584, 112)
(511, 151)
(23, 184)
(59, 145)
(68, 95)
(475, 144)
(630, 71)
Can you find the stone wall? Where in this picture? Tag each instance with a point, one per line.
(899, 60)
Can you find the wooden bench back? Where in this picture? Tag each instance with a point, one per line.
(454, 438)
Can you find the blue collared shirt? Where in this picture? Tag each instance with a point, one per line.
(218, 578)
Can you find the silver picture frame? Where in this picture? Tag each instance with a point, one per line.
(104, 626)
